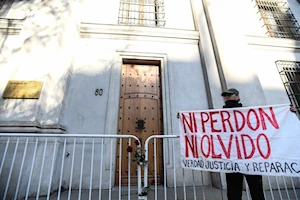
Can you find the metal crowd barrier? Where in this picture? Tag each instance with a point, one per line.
(193, 184)
(83, 166)
(62, 166)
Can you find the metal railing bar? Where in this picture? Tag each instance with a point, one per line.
(110, 172)
(21, 169)
(62, 169)
(155, 166)
(52, 168)
(184, 188)
(72, 168)
(194, 187)
(11, 168)
(100, 173)
(139, 171)
(265, 196)
(4, 155)
(146, 166)
(139, 180)
(285, 187)
(92, 168)
(278, 187)
(174, 173)
(203, 187)
(81, 168)
(271, 191)
(210, 184)
(129, 170)
(146, 158)
(31, 169)
(66, 135)
(120, 161)
(161, 137)
(165, 171)
(293, 185)
(221, 188)
(137, 5)
(41, 172)
(247, 187)
(147, 16)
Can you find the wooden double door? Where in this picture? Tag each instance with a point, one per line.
(140, 114)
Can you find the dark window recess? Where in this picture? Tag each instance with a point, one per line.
(290, 75)
(277, 19)
(2, 3)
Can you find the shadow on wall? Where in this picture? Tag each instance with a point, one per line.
(41, 57)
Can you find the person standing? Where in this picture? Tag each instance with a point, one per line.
(235, 180)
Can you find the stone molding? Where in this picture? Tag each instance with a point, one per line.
(30, 127)
(275, 43)
(91, 30)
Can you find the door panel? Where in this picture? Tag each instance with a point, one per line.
(140, 99)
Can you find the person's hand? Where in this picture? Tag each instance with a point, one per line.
(292, 108)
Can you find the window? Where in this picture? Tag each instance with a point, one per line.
(290, 75)
(142, 13)
(1, 3)
(4, 7)
(278, 19)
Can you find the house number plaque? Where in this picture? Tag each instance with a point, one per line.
(18, 89)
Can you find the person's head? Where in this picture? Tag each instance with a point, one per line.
(231, 94)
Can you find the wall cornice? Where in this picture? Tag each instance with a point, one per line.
(30, 127)
(90, 30)
(274, 43)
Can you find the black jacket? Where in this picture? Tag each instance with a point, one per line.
(232, 104)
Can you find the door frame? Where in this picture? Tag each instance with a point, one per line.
(111, 125)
